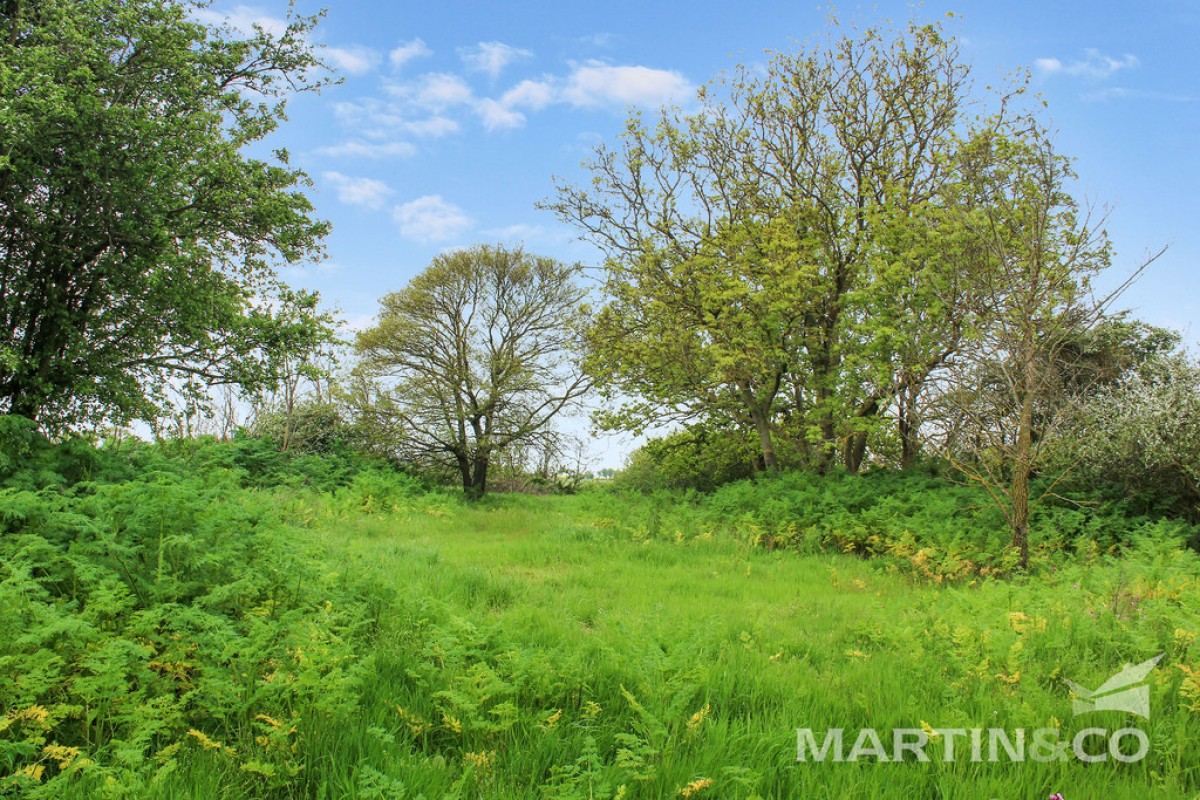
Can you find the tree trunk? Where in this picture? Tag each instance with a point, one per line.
(464, 470)
(762, 425)
(478, 484)
(854, 451)
(1022, 467)
(22, 405)
(909, 426)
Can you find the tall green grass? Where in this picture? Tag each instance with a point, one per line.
(219, 621)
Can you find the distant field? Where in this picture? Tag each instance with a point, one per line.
(538, 652)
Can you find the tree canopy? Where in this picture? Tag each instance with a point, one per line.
(476, 355)
(780, 258)
(138, 239)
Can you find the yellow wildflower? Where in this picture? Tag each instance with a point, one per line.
(695, 787)
(481, 761)
(62, 754)
(207, 743)
(36, 715)
(698, 718)
(34, 771)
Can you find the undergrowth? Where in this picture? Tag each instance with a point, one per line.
(202, 619)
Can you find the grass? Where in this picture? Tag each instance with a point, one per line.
(539, 651)
(201, 619)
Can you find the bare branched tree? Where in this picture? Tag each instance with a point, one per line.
(1038, 253)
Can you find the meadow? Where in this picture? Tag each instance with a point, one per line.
(199, 620)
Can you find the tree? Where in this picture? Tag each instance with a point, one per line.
(762, 259)
(1039, 253)
(138, 239)
(481, 349)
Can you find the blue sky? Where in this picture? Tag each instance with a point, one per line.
(452, 118)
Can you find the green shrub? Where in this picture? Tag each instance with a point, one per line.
(170, 618)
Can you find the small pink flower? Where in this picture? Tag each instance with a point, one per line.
(1056, 796)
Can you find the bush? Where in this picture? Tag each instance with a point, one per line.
(163, 612)
(699, 458)
(1140, 439)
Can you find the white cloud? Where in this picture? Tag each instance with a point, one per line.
(534, 95)
(1119, 93)
(438, 90)
(357, 147)
(1048, 65)
(431, 127)
(365, 192)
(435, 104)
(598, 40)
(593, 85)
(492, 57)
(596, 85)
(407, 51)
(376, 119)
(356, 60)
(431, 219)
(496, 116)
(1094, 65)
(242, 19)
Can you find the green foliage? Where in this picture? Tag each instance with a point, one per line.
(699, 458)
(1139, 437)
(475, 357)
(207, 619)
(161, 614)
(312, 426)
(139, 236)
(920, 525)
(780, 258)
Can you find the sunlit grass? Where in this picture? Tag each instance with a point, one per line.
(539, 650)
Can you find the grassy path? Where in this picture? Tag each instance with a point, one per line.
(542, 652)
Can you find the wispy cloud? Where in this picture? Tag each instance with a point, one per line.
(434, 91)
(491, 57)
(365, 192)
(407, 51)
(356, 60)
(1094, 65)
(430, 219)
(534, 95)
(438, 103)
(1120, 93)
(599, 40)
(495, 115)
(595, 84)
(377, 119)
(360, 148)
(588, 86)
(243, 19)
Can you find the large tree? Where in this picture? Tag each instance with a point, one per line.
(478, 354)
(771, 257)
(138, 239)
